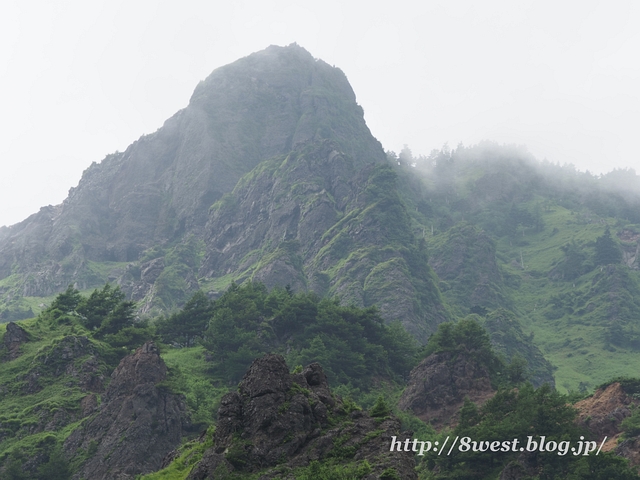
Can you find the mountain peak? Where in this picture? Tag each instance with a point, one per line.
(158, 192)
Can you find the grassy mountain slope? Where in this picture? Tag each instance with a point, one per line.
(531, 237)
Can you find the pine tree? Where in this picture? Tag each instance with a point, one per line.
(607, 250)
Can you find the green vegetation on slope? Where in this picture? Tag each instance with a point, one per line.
(352, 344)
(518, 417)
(554, 246)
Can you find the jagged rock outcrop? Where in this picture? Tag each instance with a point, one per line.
(465, 257)
(288, 420)
(438, 386)
(630, 449)
(14, 337)
(630, 247)
(268, 172)
(137, 423)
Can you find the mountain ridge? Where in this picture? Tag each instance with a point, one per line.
(158, 192)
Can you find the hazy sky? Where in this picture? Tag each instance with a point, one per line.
(79, 80)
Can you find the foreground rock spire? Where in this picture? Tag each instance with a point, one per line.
(137, 424)
(278, 421)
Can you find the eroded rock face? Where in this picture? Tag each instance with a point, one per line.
(137, 423)
(630, 449)
(270, 169)
(160, 189)
(13, 338)
(278, 418)
(439, 384)
(306, 214)
(64, 357)
(603, 412)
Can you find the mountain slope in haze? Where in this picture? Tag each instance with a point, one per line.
(159, 219)
(270, 174)
(544, 245)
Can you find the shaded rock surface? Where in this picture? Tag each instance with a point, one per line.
(270, 174)
(74, 356)
(136, 424)
(630, 449)
(14, 337)
(438, 386)
(278, 421)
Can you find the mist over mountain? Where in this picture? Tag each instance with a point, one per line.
(265, 218)
(278, 135)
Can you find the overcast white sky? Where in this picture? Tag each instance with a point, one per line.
(81, 79)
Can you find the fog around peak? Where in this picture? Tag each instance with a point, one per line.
(81, 81)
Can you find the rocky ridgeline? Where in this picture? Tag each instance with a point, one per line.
(135, 426)
(278, 421)
(159, 190)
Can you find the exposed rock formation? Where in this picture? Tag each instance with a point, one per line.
(439, 384)
(603, 411)
(630, 449)
(13, 338)
(136, 424)
(160, 189)
(630, 245)
(289, 420)
(72, 355)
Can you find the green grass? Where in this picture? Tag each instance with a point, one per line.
(573, 343)
(191, 375)
(24, 416)
(189, 454)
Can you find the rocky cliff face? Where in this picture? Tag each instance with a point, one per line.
(269, 173)
(13, 338)
(162, 186)
(278, 421)
(136, 425)
(438, 386)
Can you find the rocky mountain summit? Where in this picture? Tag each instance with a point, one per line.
(278, 421)
(270, 173)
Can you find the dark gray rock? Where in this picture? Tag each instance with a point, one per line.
(278, 418)
(160, 189)
(136, 425)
